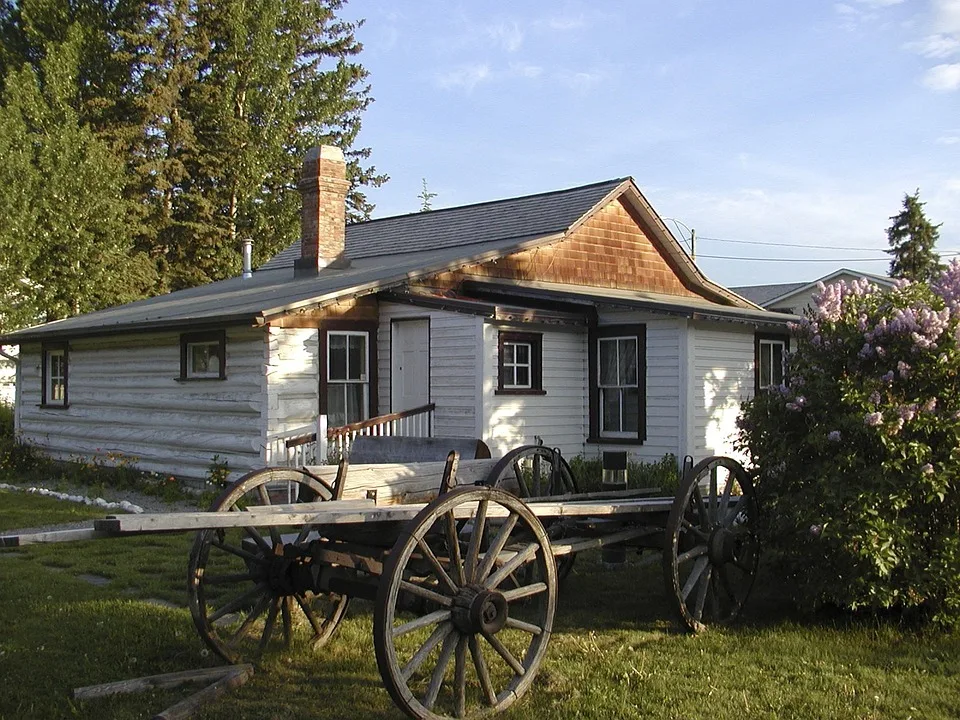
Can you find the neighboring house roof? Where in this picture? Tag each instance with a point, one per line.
(766, 295)
(385, 254)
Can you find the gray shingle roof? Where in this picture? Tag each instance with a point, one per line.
(504, 220)
(762, 294)
(383, 253)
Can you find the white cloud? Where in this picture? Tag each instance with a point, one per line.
(943, 78)
(507, 35)
(879, 3)
(525, 70)
(465, 76)
(948, 140)
(582, 81)
(563, 24)
(935, 46)
(946, 16)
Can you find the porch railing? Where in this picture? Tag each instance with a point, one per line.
(298, 446)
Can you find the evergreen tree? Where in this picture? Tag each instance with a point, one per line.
(426, 197)
(63, 224)
(912, 239)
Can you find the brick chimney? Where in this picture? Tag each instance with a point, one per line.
(323, 188)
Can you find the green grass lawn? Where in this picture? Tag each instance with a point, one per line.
(615, 652)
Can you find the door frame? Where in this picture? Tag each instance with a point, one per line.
(393, 321)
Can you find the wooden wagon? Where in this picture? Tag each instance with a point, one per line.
(460, 558)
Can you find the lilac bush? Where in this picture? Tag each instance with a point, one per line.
(862, 442)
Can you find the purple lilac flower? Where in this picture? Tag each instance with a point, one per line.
(907, 412)
(833, 436)
(888, 377)
(903, 369)
(874, 398)
(873, 419)
(930, 405)
(947, 285)
(793, 407)
(927, 469)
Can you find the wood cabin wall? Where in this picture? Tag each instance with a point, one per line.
(455, 351)
(125, 398)
(722, 376)
(666, 411)
(558, 416)
(292, 379)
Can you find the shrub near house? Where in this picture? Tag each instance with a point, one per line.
(858, 454)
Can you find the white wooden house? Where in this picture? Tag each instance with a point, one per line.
(573, 316)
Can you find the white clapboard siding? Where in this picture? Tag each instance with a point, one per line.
(292, 379)
(454, 366)
(722, 377)
(126, 400)
(559, 416)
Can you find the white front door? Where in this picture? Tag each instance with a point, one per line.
(409, 364)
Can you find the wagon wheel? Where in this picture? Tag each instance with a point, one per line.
(248, 587)
(711, 548)
(451, 638)
(535, 471)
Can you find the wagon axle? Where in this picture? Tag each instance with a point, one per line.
(478, 610)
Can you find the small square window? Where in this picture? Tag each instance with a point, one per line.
(520, 366)
(203, 356)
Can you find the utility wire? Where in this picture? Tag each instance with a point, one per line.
(803, 260)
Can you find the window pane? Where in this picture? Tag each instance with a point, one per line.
(508, 354)
(523, 354)
(776, 371)
(203, 359)
(355, 405)
(357, 363)
(608, 362)
(337, 351)
(336, 406)
(522, 376)
(610, 410)
(628, 361)
(631, 409)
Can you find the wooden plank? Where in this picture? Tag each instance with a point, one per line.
(51, 536)
(188, 707)
(578, 544)
(150, 682)
(356, 511)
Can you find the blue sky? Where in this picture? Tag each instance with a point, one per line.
(777, 121)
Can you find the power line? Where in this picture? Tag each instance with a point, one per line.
(802, 260)
(796, 245)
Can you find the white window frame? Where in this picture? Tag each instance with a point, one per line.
(364, 376)
(53, 381)
(771, 343)
(511, 367)
(624, 434)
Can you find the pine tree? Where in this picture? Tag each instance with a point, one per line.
(912, 239)
(64, 219)
(426, 197)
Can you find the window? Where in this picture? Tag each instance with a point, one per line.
(618, 383)
(54, 392)
(520, 366)
(203, 356)
(770, 353)
(348, 383)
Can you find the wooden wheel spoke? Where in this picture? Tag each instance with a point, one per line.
(522, 557)
(525, 626)
(238, 602)
(535, 472)
(694, 552)
(505, 653)
(426, 593)
(460, 678)
(285, 615)
(309, 614)
(698, 567)
(436, 679)
(256, 612)
(453, 548)
(703, 588)
(255, 535)
(476, 538)
(268, 626)
(303, 534)
(239, 552)
(713, 495)
(521, 482)
(438, 635)
(690, 527)
(266, 501)
(714, 594)
(438, 616)
(727, 586)
(483, 673)
(496, 547)
(524, 591)
(725, 498)
(438, 570)
(732, 514)
(700, 508)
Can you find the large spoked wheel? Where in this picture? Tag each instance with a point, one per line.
(249, 588)
(711, 547)
(463, 618)
(533, 471)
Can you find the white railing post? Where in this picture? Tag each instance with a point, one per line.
(322, 447)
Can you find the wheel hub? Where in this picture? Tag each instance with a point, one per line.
(478, 610)
(722, 547)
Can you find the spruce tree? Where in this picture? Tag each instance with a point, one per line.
(912, 239)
